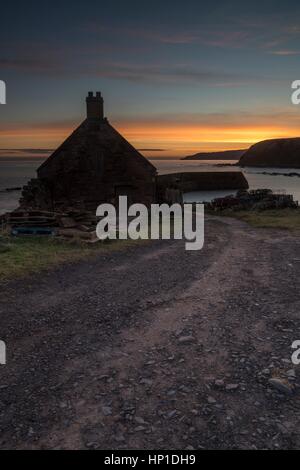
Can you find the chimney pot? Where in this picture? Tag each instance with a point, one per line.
(94, 106)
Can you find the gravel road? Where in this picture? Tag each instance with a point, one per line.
(157, 348)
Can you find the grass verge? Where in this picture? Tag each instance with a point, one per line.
(20, 257)
(288, 219)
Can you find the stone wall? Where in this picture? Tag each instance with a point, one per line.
(202, 181)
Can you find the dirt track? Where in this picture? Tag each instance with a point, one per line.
(156, 347)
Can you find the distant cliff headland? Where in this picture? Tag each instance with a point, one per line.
(280, 153)
(223, 155)
(274, 153)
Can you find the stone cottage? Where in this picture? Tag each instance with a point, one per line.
(95, 164)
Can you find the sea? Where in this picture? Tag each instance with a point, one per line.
(15, 172)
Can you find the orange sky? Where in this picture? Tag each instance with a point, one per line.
(175, 139)
(182, 139)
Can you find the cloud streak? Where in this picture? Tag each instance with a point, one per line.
(181, 74)
(155, 73)
(285, 52)
(231, 34)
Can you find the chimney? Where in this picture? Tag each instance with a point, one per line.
(94, 106)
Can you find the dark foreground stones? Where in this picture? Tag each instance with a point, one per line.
(157, 348)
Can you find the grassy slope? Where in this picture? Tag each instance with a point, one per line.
(282, 218)
(22, 256)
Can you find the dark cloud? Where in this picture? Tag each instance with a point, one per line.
(236, 33)
(37, 65)
(182, 74)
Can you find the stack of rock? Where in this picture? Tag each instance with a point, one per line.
(258, 199)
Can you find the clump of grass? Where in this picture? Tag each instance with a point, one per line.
(288, 219)
(4, 248)
(22, 256)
